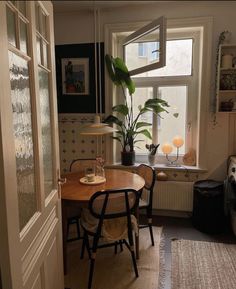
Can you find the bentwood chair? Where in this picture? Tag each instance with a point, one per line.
(145, 202)
(73, 213)
(109, 217)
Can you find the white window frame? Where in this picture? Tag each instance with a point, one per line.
(201, 89)
(190, 81)
(159, 23)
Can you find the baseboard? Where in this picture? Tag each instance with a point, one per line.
(170, 213)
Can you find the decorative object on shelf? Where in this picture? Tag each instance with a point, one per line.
(189, 159)
(227, 105)
(224, 38)
(228, 81)
(234, 62)
(129, 127)
(167, 149)
(227, 61)
(162, 176)
(225, 94)
(152, 148)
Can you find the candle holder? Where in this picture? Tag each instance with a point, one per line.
(173, 162)
(167, 149)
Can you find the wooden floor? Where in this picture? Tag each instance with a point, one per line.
(181, 228)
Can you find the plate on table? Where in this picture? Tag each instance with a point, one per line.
(98, 180)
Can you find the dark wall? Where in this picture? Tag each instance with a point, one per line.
(79, 103)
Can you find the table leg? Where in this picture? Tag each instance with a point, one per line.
(137, 236)
(64, 235)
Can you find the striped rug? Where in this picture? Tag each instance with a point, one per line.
(203, 265)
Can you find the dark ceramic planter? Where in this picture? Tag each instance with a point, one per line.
(128, 158)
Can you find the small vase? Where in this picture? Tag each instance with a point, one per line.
(100, 172)
(151, 159)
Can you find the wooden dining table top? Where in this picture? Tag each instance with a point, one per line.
(74, 190)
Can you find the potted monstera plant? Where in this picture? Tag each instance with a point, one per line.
(129, 126)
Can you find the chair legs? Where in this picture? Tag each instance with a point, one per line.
(85, 244)
(74, 220)
(131, 246)
(151, 233)
(149, 215)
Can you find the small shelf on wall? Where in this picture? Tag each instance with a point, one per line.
(228, 70)
(226, 79)
(225, 91)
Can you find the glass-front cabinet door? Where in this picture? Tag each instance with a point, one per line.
(31, 247)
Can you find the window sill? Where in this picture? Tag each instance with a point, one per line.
(160, 167)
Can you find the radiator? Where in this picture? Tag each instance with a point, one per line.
(173, 195)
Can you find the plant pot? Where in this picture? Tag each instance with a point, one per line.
(151, 159)
(128, 158)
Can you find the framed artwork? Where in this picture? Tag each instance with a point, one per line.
(75, 76)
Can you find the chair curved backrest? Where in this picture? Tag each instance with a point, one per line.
(79, 165)
(112, 204)
(149, 175)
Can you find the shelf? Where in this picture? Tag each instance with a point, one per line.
(226, 78)
(227, 91)
(232, 69)
(231, 112)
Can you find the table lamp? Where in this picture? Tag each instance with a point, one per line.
(167, 148)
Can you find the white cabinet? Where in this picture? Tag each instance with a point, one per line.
(226, 79)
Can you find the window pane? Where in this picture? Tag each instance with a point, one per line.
(20, 97)
(37, 16)
(140, 96)
(38, 46)
(11, 27)
(178, 58)
(141, 54)
(152, 37)
(22, 7)
(13, 2)
(45, 54)
(170, 126)
(46, 131)
(23, 36)
(42, 22)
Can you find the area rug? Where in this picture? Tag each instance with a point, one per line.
(203, 265)
(116, 271)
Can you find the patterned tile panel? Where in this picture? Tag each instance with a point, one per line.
(72, 144)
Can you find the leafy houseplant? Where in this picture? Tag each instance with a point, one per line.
(128, 126)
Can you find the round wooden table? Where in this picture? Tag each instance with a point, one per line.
(75, 191)
(76, 194)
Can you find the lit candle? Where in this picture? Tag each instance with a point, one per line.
(167, 148)
(178, 141)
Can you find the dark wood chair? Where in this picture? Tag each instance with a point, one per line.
(145, 202)
(108, 206)
(74, 214)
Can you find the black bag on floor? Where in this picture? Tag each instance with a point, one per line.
(208, 206)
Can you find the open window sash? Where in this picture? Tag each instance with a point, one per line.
(152, 37)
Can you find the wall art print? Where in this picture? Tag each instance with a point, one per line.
(75, 76)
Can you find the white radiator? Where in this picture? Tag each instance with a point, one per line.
(173, 195)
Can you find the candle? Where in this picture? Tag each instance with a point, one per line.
(167, 148)
(178, 141)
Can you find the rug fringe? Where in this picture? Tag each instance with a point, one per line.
(162, 274)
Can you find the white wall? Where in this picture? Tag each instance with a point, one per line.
(78, 27)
